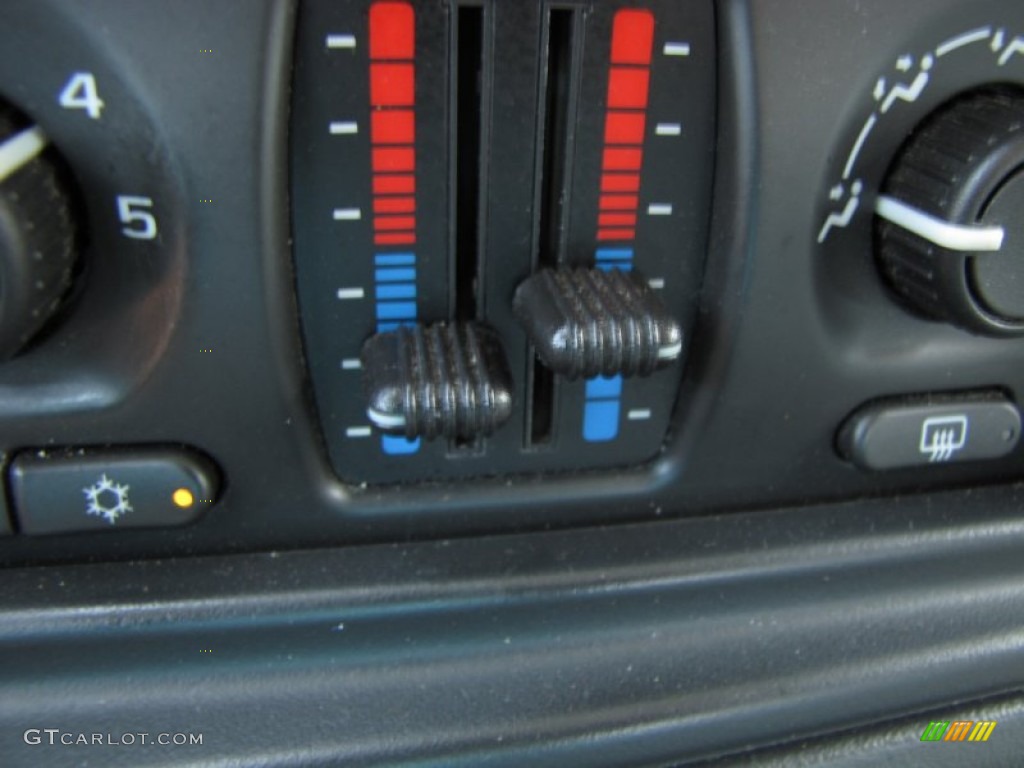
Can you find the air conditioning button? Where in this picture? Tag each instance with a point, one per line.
(104, 490)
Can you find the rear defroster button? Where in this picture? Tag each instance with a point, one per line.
(59, 491)
(936, 429)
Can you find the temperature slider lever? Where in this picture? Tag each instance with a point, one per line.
(446, 379)
(588, 322)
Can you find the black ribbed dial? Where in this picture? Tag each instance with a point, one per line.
(958, 181)
(37, 233)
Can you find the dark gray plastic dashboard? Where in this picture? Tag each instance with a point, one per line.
(663, 644)
(744, 585)
(195, 337)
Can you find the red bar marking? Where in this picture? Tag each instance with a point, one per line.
(393, 159)
(624, 127)
(392, 31)
(616, 234)
(622, 159)
(620, 182)
(393, 223)
(394, 238)
(627, 88)
(632, 37)
(616, 220)
(393, 126)
(394, 205)
(619, 202)
(392, 37)
(393, 85)
(402, 184)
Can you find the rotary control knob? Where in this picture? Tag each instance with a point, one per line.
(950, 227)
(37, 233)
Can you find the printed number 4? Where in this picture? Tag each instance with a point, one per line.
(81, 93)
(139, 223)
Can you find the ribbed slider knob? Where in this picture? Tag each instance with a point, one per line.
(443, 380)
(589, 322)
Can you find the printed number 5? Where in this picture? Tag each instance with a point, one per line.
(139, 223)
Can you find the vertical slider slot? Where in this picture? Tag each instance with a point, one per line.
(468, 166)
(470, 81)
(541, 413)
(557, 115)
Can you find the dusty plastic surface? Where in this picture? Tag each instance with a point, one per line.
(642, 645)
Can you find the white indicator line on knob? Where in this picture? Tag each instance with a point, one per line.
(347, 214)
(670, 352)
(640, 414)
(19, 150)
(351, 364)
(953, 237)
(385, 420)
(347, 294)
(668, 129)
(358, 432)
(342, 128)
(659, 209)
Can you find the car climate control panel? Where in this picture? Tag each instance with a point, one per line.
(283, 273)
(500, 222)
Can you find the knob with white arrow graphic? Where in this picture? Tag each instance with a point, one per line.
(37, 232)
(950, 219)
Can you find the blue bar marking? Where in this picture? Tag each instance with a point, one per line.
(396, 279)
(394, 259)
(399, 446)
(606, 254)
(601, 421)
(390, 326)
(396, 291)
(602, 388)
(400, 275)
(396, 310)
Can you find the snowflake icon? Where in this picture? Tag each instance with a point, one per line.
(110, 512)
